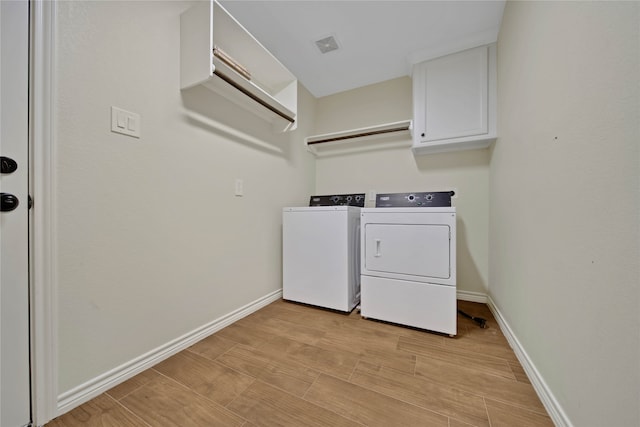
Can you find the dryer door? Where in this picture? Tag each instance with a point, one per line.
(416, 246)
(420, 250)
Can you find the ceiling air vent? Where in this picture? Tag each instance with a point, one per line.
(327, 44)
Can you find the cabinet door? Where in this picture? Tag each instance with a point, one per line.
(452, 96)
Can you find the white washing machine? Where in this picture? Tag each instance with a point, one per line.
(321, 255)
(409, 266)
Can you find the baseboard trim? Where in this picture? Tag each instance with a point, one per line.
(471, 296)
(102, 383)
(549, 401)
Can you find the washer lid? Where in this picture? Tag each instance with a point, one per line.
(321, 209)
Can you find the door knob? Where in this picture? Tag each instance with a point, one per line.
(7, 165)
(8, 202)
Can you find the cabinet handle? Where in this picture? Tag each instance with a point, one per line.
(378, 254)
(422, 134)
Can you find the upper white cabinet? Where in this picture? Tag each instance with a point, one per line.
(219, 53)
(454, 101)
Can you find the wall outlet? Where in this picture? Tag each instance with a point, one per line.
(239, 187)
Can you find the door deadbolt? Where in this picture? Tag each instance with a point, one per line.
(8, 165)
(8, 202)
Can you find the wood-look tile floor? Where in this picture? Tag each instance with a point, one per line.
(294, 365)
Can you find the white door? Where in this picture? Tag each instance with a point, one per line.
(455, 93)
(420, 250)
(415, 244)
(14, 250)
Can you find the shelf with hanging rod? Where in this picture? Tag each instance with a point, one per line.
(217, 52)
(382, 136)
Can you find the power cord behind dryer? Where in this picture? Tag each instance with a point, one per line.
(479, 320)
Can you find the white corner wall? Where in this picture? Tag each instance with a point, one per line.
(152, 241)
(398, 170)
(565, 196)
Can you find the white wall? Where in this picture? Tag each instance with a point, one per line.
(152, 242)
(398, 170)
(565, 199)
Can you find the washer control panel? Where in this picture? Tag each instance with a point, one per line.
(356, 199)
(432, 199)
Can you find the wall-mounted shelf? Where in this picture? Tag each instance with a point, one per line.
(269, 90)
(388, 135)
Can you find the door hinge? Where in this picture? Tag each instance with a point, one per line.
(30, 201)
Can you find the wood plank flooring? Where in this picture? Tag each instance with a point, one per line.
(294, 365)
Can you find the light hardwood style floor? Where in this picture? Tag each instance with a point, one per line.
(294, 365)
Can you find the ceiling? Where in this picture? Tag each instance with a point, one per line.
(378, 40)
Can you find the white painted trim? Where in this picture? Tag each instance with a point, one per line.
(44, 354)
(545, 394)
(472, 296)
(102, 383)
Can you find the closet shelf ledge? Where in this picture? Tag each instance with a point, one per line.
(388, 135)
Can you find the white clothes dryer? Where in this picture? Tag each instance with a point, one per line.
(409, 266)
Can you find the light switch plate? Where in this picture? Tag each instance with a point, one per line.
(125, 122)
